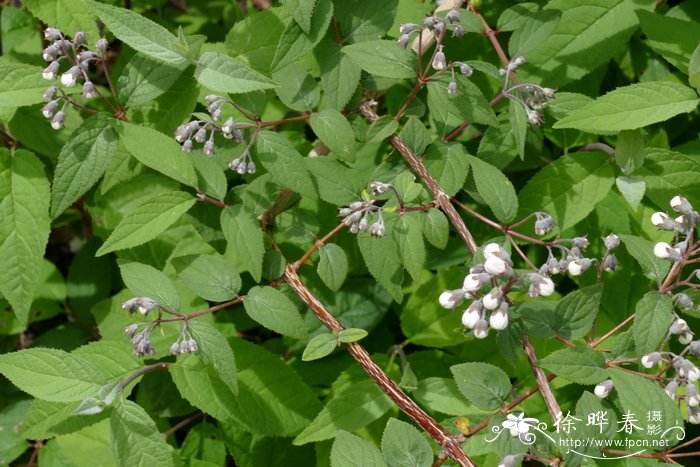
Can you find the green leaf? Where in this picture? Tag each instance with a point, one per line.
(352, 451)
(301, 11)
(275, 311)
(335, 131)
(146, 281)
(144, 79)
(632, 189)
(495, 189)
(403, 445)
(136, 439)
(668, 173)
(436, 228)
(469, 105)
(381, 129)
(354, 408)
(319, 347)
(20, 84)
(82, 161)
(215, 352)
(337, 183)
(672, 38)
(284, 163)
(147, 220)
(157, 151)
(46, 419)
(245, 240)
(222, 73)
(212, 180)
(351, 335)
(381, 256)
(485, 385)
(383, 58)
(140, 33)
(339, 76)
(518, 126)
(332, 266)
(629, 150)
(449, 164)
(294, 43)
(51, 374)
(209, 276)
(579, 364)
(409, 239)
(631, 107)
(441, 395)
(298, 90)
(569, 188)
(67, 15)
(577, 311)
(653, 316)
(415, 135)
(533, 31)
(694, 69)
(25, 226)
(643, 251)
(365, 20)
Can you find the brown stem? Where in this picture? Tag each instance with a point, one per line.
(212, 309)
(35, 453)
(319, 243)
(142, 371)
(207, 199)
(406, 404)
(549, 399)
(442, 199)
(283, 120)
(608, 334)
(182, 424)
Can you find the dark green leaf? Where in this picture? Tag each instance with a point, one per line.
(209, 276)
(275, 311)
(485, 385)
(579, 364)
(403, 445)
(146, 281)
(653, 316)
(332, 266)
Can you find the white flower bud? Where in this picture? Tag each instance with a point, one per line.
(611, 242)
(439, 61)
(452, 16)
(101, 45)
(52, 34)
(472, 315)
(89, 91)
(496, 266)
(671, 389)
(658, 218)
(251, 170)
(579, 266)
(378, 188)
(452, 88)
(58, 119)
(187, 146)
(603, 389)
(692, 398)
(450, 298)
(683, 301)
(499, 318)
(493, 299)
(494, 249)
(685, 338)
(541, 285)
(662, 250)
(466, 70)
(481, 329)
(649, 360)
(458, 31)
(50, 71)
(610, 263)
(694, 415)
(175, 349)
(70, 77)
(681, 204)
(403, 40)
(679, 326)
(474, 282)
(130, 330)
(208, 149)
(693, 373)
(80, 38)
(49, 109)
(200, 135)
(549, 93)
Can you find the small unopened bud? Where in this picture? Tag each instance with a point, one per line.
(540, 285)
(692, 398)
(672, 389)
(452, 16)
(466, 70)
(403, 40)
(685, 338)
(499, 318)
(496, 266)
(544, 223)
(517, 61)
(694, 348)
(251, 167)
(70, 77)
(187, 146)
(377, 229)
(50, 109)
(216, 115)
(89, 90)
(201, 135)
(52, 34)
(534, 117)
(458, 31)
(439, 28)
(208, 149)
(80, 38)
(611, 242)
(610, 263)
(650, 360)
(50, 93)
(228, 126)
(450, 298)
(603, 389)
(549, 93)
(407, 28)
(439, 61)
(579, 266)
(683, 301)
(473, 282)
(472, 315)
(493, 299)
(452, 88)
(481, 329)
(141, 304)
(694, 415)
(101, 45)
(494, 249)
(430, 21)
(664, 251)
(681, 204)
(378, 188)
(181, 133)
(50, 71)
(58, 119)
(131, 329)
(50, 53)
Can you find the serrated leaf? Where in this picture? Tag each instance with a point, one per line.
(146, 281)
(381, 256)
(20, 84)
(381, 129)
(409, 239)
(222, 73)
(672, 38)
(485, 385)
(577, 311)
(383, 58)
(319, 347)
(579, 364)
(157, 151)
(275, 311)
(294, 43)
(136, 439)
(495, 188)
(351, 335)
(140, 33)
(339, 76)
(415, 135)
(51, 374)
(631, 107)
(518, 126)
(569, 188)
(365, 20)
(245, 239)
(67, 15)
(82, 161)
(147, 220)
(352, 451)
(441, 395)
(629, 150)
(332, 266)
(302, 12)
(469, 105)
(209, 276)
(534, 30)
(404, 446)
(297, 89)
(354, 408)
(284, 163)
(436, 228)
(632, 189)
(46, 419)
(668, 173)
(643, 251)
(337, 183)
(653, 316)
(25, 226)
(215, 352)
(335, 131)
(212, 180)
(448, 164)
(144, 79)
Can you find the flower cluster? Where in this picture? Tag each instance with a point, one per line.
(490, 309)
(573, 260)
(682, 225)
(204, 131)
(77, 53)
(185, 343)
(356, 216)
(532, 97)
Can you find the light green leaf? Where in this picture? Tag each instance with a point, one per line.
(351, 335)
(518, 126)
(25, 226)
(569, 188)
(212, 180)
(146, 281)
(441, 395)
(222, 73)
(144, 79)
(436, 228)
(579, 364)
(332, 266)
(67, 15)
(302, 12)
(415, 135)
(245, 240)
(20, 84)
(339, 76)
(694, 69)
(631, 107)
(365, 20)
(157, 151)
(485, 385)
(381, 256)
(294, 43)
(669, 173)
(495, 189)
(577, 311)
(275, 311)
(534, 30)
(653, 316)
(409, 239)
(469, 105)
(297, 89)
(356, 407)
(284, 163)
(404, 446)
(215, 352)
(46, 419)
(335, 131)
(209, 276)
(82, 161)
(51, 374)
(629, 150)
(448, 164)
(383, 58)
(643, 251)
(672, 38)
(352, 451)
(319, 346)
(632, 189)
(147, 220)
(136, 439)
(141, 34)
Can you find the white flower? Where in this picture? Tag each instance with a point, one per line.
(495, 266)
(692, 397)
(649, 360)
(472, 315)
(499, 320)
(662, 249)
(694, 415)
(671, 389)
(575, 268)
(450, 298)
(603, 389)
(69, 78)
(540, 285)
(518, 425)
(474, 282)
(680, 204)
(658, 218)
(492, 299)
(494, 249)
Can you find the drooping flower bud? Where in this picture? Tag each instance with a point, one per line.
(681, 204)
(58, 119)
(50, 71)
(439, 61)
(472, 315)
(89, 91)
(603, 389)
(650, 360)
(611, 242)
(450, 298)
(499, 318)
(481, 329)
(70, 77)
(493, 299)
(52, 34)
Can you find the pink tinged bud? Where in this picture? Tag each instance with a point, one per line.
(481, 329)
(603, 389)
(611, 242)
(499, 320)
(496, 266)
(471, 316)
(450, 298)
(681, 204)
(694, 415)
(50, 71)
(403, 40)
(58, 119)
(492, 299)
(130, 330)
(474, 282)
